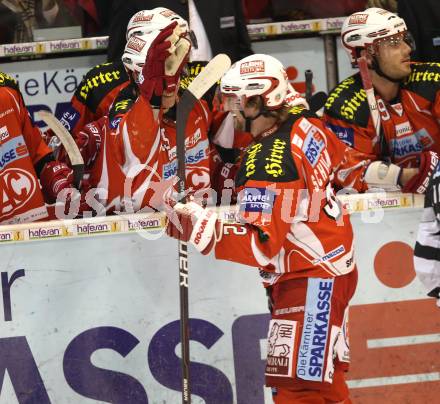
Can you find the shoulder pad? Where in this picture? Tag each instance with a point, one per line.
(98, 82)
(8, 81)
(121, 105)
(271, 159)
(348, 102)
(424, 80)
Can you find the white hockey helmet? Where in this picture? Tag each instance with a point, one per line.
(146, 21)
(366, 29)
(135, 52)
(256, 75)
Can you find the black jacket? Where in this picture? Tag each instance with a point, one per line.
(423, 20)
(223, 21)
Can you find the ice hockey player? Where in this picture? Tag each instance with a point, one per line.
(101, 85)
(24, 159)
(407, 94)
(130, 152)
(293, 229)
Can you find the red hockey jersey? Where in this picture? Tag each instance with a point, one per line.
(94, 95)
(137, 159)
(411, 122)
(21, 148)
(294, 226)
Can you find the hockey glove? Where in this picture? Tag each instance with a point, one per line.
(153, 72)
(54, 177)
(419, 183)
(174, 64)
(222, 179)
(190, 222)
(88, 141)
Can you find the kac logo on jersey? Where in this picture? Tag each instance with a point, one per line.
(311, 355)
(114, 123)
(313, 147)
(257, 200)
(344, 134)
(70, 118)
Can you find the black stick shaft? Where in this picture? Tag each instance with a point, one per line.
(184, 107)
(309, 89)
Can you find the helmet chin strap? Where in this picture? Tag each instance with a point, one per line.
(375, 66)
(248, 121)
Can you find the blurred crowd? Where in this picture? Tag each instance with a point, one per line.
(18, 18)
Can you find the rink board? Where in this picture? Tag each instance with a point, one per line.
(92, 316)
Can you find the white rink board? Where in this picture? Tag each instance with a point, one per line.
(302, 53)
(50, 83)
(119, 292)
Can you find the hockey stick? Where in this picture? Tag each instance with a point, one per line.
(374, 110)
(212, 72)
(69, 144)
(309, 85)
(371, 99)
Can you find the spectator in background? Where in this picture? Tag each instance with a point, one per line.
(423, 20)
(85, 13)
(390, 5)
(257, 11)
(26, 15)
(308, 9)
(218, 26)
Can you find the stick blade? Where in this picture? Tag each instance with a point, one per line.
(212, 72)
(68, 142)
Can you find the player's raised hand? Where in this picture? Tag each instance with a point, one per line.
(153, 73)
(166, 57)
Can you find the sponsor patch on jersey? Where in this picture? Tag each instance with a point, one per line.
(114, 123)
(12, 150)
(312, 147)
(70, 118)
(193, 156)
(281, 348)
(415, 143)
(257, 200)
(398, 108)
(274, 167)
(344, 134)
(4, 134)
(311, 354)
(331, 254)
(403, 129)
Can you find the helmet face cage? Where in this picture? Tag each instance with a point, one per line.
(369, 29)
(394, 41)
